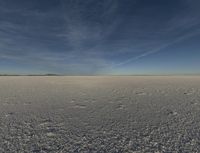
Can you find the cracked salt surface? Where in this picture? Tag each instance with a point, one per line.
(99, 114)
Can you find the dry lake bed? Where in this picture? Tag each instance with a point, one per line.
(114, 114)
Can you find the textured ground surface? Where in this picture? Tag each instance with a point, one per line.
(100, 114)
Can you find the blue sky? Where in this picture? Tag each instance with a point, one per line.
(100, 37)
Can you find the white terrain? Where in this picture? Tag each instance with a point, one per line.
(111, 114)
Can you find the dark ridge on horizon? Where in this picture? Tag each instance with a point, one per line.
(197, 74)
(30, 75)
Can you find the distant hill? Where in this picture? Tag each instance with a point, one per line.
(29, 75)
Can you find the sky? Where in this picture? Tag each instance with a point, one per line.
(100, 37)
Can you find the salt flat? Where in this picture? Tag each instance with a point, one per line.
(100, 114)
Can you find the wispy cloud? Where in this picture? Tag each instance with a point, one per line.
(160, 48)
(180, 27)
(92, 36)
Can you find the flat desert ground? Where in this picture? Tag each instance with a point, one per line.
(114, 114)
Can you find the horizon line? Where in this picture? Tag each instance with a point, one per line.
(185, 74)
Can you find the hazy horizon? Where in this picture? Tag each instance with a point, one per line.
(154, 74)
